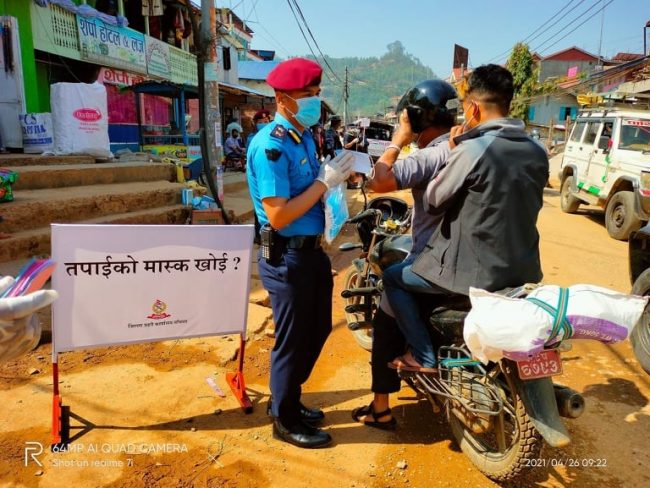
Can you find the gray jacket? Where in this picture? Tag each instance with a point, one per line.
(489, 194)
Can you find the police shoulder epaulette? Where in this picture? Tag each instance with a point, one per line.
(295, 136)
(279, 132)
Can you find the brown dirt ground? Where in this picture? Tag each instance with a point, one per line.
(133, 397)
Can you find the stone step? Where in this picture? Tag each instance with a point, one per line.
(36, 242)
(67, 175)
(37, 208)
(13, 160)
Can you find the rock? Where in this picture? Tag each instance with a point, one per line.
(269, 332)
(40, 357)
(401, 465)
(34, 371)
(193, 429)
(217, 411)
(39, 473)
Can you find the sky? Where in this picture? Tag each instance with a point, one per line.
(428, 29)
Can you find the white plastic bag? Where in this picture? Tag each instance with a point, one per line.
(336, 211)
(80, 119)
(516, 328)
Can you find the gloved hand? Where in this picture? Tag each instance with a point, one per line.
(20, 329)
(335, 171)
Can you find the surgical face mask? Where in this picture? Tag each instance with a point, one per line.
(308, 111)
(261, 125)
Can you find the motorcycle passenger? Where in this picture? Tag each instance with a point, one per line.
(287, 182)
(427, 113)
(488, 196)
(232, 146)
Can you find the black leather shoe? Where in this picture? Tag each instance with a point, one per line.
(301, 435)
(309, 415)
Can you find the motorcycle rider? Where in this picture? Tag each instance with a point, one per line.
(427, 113)
(489, 196)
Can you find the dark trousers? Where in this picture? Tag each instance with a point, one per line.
(300, 287)
(387, 343)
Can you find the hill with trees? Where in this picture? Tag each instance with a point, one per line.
(373, 81)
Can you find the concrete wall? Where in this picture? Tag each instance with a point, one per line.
(542, 109)
(552, 68)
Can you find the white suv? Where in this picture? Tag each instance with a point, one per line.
(607, 163)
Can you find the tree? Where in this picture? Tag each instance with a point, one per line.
(524, 76)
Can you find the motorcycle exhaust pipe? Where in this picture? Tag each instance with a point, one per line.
(570, 403)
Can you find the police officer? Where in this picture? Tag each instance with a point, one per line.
(286, 183)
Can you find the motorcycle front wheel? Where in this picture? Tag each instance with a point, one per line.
(520, 442)
(353, 279)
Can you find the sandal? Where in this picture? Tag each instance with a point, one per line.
(357, 413)
(401, 364)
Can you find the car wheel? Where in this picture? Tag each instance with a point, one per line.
(620, 218)
(640, 337)
(568, 202)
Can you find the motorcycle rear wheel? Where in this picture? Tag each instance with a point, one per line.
(523, 441)
(363, 336)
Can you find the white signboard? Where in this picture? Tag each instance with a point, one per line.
(124, 284)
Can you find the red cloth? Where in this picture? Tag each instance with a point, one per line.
(295, 74)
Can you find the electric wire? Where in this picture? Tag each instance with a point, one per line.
(295, 16)
(566, 26)
(295, 3)
(527, 38)
(580, 25)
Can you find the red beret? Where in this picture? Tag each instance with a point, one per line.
(260, 114)
(295, 74)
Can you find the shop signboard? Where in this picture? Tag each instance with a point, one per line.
(158, 60)
(110, 45)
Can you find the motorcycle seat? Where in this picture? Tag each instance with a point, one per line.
(450, 317)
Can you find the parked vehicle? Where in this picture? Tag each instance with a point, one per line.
(500, 413)
(639, 258)
(607, 163)
(378, 135)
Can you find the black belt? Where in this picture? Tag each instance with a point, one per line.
(303, 242)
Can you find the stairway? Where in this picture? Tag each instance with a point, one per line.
(76, 189)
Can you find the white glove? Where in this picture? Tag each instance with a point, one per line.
(20, 329)
(335, 171)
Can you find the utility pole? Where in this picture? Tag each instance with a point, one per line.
(209, 113)
(345, 100)
(600, 43)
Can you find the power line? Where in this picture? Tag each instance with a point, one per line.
(581, 24)
(507, 51)
(295, 16)
(295, 4)
(564, 27)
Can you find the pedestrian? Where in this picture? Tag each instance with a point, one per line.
(260, 119)
(333, 138)
(287, 183)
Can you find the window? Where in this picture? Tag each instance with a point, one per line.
(225, 51)
(635, 135)
(579, 128)
(592, 132)
(531, 112)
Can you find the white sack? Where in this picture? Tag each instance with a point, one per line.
(80, 118)
(516, 328)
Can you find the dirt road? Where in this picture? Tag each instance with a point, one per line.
(150, 419)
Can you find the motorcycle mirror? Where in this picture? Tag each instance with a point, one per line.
(350, 246)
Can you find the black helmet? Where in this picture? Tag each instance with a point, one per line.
(430, 103)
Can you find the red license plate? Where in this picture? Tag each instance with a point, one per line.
(546, 363)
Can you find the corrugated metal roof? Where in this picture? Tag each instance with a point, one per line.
(241, 88)
(255, 70)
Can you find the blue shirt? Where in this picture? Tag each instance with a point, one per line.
(280, 165)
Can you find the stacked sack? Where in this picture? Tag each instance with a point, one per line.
(518, 328)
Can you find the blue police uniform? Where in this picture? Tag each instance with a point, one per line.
(283, 163)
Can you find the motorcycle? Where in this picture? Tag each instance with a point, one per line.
(499, 413)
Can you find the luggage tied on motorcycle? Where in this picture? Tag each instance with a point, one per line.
(560, 323)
